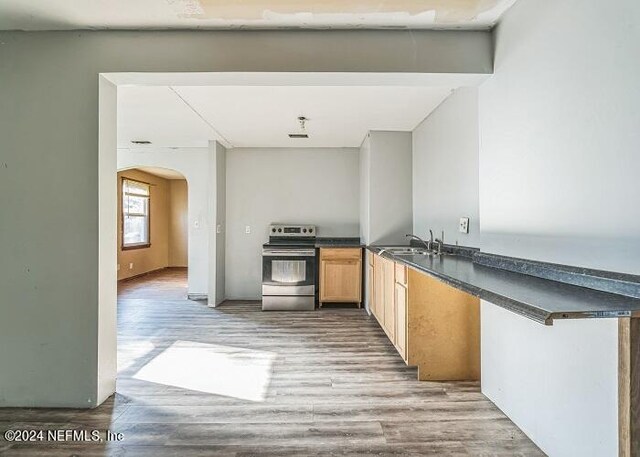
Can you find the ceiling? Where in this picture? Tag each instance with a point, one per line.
(263, 116)
(225, 14)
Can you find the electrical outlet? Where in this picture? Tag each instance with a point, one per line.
(247, 229)
(131, 266)
(464, 225)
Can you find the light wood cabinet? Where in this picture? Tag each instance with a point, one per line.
(443, 327)
(383, 303)
(401, 320)
(432, 325)
(388, 301)
(378, 288)
(370, 258)
(340, 275)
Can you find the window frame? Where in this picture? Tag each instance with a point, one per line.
(132, 247)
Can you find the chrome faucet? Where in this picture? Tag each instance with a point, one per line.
(427, 244)
(440, 242)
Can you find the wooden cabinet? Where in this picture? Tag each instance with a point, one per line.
(340, 275)
(383, 303)
(400, 288)
(388, 301)
(401, 320)
(432, 325)
(370, 259)
(443, 326)
(378, 288)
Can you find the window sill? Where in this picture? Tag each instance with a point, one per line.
(136, 246)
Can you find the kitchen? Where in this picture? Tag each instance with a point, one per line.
(510, 331)
(329, 223)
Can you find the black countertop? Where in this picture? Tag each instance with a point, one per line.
(542, 300)
(344, 242)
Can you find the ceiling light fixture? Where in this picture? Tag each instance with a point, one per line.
(303, 129)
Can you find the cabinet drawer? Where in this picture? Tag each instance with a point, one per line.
(401, 274)
(340, 253)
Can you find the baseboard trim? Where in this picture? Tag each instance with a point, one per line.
(237, 301)
(139, 275)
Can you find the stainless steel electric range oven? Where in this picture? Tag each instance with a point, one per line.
(289, 268)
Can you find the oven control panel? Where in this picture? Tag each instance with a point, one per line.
(293, 231)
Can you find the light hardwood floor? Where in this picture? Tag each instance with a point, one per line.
(236, 381)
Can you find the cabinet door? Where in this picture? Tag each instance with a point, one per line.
(388, 299)
(401, 320)
(340, 281)
(378, 286)
(370, 280)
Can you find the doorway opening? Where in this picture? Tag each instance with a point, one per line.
(205, 115)
(153, 240)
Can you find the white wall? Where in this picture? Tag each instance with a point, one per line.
(107, 362)
(559, 131)
(389, 180)
(558, 383)
(558, 171)
(445, 170)
(365, 160)
(385, 165)
(192, 164)
(310, 186)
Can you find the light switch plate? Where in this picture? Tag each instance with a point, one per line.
(219, 228)
(464, 225)
(247, 229)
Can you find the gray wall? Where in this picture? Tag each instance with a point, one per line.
(390, 200)
(365, 160)
(221, 216)
(309, 186)
(445, 169)
(49, 270)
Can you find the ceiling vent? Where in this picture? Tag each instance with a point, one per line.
(303, 129)
(140, 142)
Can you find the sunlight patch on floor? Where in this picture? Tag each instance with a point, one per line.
(128, 354)
(210, 368)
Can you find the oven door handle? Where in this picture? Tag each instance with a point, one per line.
(289, 253)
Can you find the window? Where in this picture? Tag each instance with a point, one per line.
(135, 214)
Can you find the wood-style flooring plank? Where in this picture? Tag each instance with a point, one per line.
(323, 383)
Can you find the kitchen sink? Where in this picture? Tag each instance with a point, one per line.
(408, 251)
